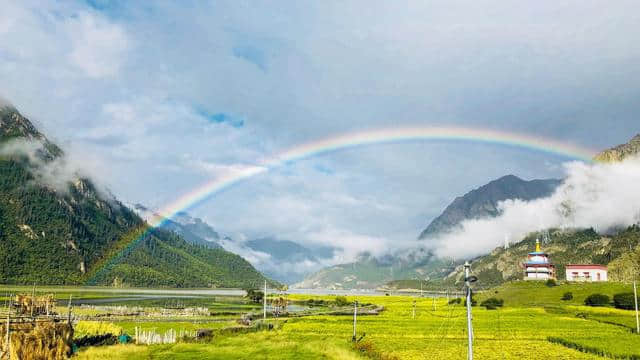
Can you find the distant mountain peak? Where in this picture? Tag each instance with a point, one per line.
(620, 152)
(14, 126)
(483, 201)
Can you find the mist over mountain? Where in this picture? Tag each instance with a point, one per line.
(483, 202)
(282, 260)
(193, 230)
(600, 197)
(57, 227)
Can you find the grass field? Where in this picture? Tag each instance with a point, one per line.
(533, 319)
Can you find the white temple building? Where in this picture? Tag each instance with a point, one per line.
(538, 265)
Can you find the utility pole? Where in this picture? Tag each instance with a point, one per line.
(355, 319)
(467, 281)
(635, 299)
(264, 302)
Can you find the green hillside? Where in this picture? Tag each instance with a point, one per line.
(53, 235)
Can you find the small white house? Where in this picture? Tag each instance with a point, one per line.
(577, 272)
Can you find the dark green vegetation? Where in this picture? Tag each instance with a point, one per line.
(536, 293)
(492, 303)
(69, 232)
(624, 301)
(597, 300)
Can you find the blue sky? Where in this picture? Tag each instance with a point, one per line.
(156, 98)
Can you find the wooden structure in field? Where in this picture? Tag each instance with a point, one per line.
(30, 329)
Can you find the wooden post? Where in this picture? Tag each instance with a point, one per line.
(8, 339)
(264, 301)
(33, 298)
(355, 318)
(69, 310)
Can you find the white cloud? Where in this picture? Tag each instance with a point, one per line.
(99, 48)
(602, 196)
(119, 85)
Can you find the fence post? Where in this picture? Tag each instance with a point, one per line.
(355, 318)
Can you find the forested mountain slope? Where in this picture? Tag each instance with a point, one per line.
(54, 231)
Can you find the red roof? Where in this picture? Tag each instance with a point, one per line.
(586, 266)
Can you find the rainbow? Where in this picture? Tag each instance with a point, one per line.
(364, 138)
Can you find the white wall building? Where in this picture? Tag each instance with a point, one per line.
(577, 272)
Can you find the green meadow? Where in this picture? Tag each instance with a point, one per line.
(533, 322)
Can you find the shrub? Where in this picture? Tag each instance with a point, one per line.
(597, 300)
(551, 283)
(624, 301)
(341, 301)
(567, 296)
(255, 295)
(315, 302)
(492, 303)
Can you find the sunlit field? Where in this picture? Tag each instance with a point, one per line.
(556, 329)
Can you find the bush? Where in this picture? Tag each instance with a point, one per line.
(255, 295)
(492, 303)
(567, 296)
(315, 302)
(551, 283)
(624, 301)
(341, 301)
(455, 301)
(597, 300)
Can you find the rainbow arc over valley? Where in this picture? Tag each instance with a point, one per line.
(346, 141)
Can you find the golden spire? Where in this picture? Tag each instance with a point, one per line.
(538, 245)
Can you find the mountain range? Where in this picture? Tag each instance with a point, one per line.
(577, 245)
(370, 272)
(59, 228)
(282, 260)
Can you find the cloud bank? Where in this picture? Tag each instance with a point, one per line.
(604, 196)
